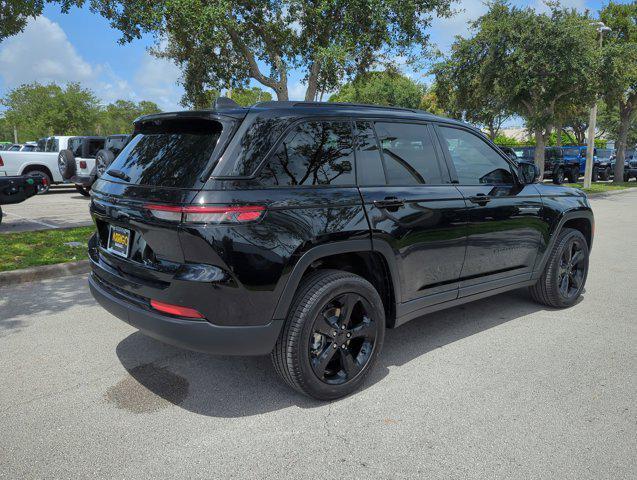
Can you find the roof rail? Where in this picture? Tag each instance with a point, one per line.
(275, 103)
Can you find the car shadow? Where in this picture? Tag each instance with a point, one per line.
(243, 386)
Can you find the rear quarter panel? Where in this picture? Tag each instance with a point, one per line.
(261, 256)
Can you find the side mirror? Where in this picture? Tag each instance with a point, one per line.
(528, 172)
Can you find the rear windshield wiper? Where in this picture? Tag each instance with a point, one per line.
(118, 174)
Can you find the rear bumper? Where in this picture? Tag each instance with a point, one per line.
(197, 335)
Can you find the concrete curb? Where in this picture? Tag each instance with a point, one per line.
(41, 273)
(611, 193)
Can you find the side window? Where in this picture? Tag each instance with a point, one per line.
(475, 161)
(369, 164)
(75, 145)
(94, 146)
(409, 154)
(314, 153)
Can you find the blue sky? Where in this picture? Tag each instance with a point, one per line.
(81, 46)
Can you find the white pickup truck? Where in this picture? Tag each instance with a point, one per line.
(43, 163)
(60, 159)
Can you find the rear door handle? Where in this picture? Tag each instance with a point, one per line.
(480, 199)
(389, 202)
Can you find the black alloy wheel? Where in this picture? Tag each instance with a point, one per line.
(564, 275)
(332, 336)
(343, 339)
(572, 268)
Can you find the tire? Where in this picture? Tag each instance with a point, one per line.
(558, 177)
(549, 289)
(84, 191)
(594, 175)
(605, 175)
(311, 333)
(103, 158)
(66, 164)
(573, 176)
(35, 173)
(0, 214)
(626, 177)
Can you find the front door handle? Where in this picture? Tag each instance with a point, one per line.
(390, 203)
(481, 199)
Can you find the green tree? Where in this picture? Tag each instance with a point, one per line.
(228, 43)
(382, 88)
(249, 96)
(14, 14)
(619, 81)
(38, 110)
(464, 93)
(118, 117)
(531, 64)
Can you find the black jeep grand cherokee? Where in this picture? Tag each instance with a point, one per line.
(305, 229)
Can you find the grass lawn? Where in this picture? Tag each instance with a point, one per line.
(603, 187)
(30, 249)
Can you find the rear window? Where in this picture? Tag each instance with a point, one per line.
(168, 153)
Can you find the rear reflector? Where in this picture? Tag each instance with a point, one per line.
(207, 214)
(175, 309)
(82, 164)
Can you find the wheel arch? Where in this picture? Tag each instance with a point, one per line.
(355, 256)
(36, 166)
(581, 220)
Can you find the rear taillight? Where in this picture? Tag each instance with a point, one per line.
(176, 310)
(207, 214)
(82, 164)
(1, 162)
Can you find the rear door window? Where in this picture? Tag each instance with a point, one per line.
(369, 163)
(169, 153)
(313, 153)
(409, 154)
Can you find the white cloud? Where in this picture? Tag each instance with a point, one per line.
(444, 30)
(158, 79)
(43, 53)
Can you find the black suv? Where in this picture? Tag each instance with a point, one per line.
(304, 230)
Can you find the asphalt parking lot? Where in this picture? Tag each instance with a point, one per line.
(60, 208)
(501, 388)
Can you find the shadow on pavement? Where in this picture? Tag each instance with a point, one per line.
(245, 386)
(18, 304)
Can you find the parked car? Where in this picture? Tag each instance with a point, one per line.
(16, 189)
(113, 145)
(5, 145)
(77, 162)
(304, 230)
(16, 147)
(41, 162)
(556, 167)
(605, 163)
(579, 153)
(630, 165)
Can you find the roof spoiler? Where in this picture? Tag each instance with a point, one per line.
(225, 103)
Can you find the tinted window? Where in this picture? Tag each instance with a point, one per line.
(571, 152)
(169, 153)
(475, 161)
(314, 153)
(250, 145)
(409, 154)
(75, 145)
(369, 166)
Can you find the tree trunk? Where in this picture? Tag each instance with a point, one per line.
(540, 144)
(492, 132)
(622, 136)
(558, 136)
(312, 82)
